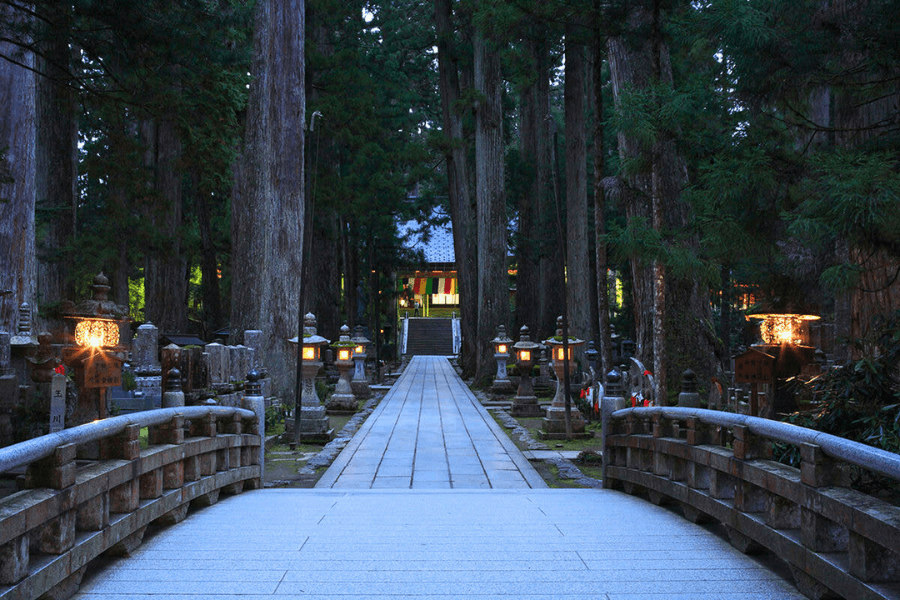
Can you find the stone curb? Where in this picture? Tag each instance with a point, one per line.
(566, 468)
(330, 451)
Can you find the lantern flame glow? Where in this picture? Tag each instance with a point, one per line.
(778, 329)
(96, 333)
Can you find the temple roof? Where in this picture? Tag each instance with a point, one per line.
(436, 241)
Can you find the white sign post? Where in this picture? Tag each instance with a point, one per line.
(57, 403)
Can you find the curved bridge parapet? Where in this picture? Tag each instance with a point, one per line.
(838, 542)
(94, 489)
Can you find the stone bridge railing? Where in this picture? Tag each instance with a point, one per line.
(73, 509)
(838, 542)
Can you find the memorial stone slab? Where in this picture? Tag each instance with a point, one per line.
(145, 350)
(234, 364)
(150, 387)
(5, 356)
(217, 362)
(253, 339)
(244, 362)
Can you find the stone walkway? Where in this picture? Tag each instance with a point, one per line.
(431, 432)
(346, 540)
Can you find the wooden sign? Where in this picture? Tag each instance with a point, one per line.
(102, 371)
(57, 403)
(754, 366)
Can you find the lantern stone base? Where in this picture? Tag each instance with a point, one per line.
(526, 406)
(554, 424)
(314, 424)
(502, 386)
(342, 404)
(361, 389)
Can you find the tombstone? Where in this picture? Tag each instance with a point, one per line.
(253, 339)
(5, 356)
(244, 362)
(542, 381)
(8, 390)
(146, 365)
(171, 359)
(234, 365)
(689, 398)
(145, 350)
(218, 362)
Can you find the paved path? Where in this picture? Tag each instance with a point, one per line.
(337, 544)
(430, 431)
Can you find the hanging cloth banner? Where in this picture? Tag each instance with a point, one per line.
(429, 285)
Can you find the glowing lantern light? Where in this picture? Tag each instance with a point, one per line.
(97, 333)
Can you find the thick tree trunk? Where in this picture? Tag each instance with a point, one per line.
(690, 341)
(462, 207)
(324, 297)
(578, 269)
(602, 280)
(553, 282)
(535, 152)
(56, 169)
(210, 291)
(165, 270)
(268, 207)
(17, 185)
(493, 278)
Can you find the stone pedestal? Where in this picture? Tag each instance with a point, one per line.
(502, 385)
(360, 383)
(314, 424)
(525, 404)
(343, 400)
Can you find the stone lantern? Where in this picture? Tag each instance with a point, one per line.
(313, 422)
(360, 382)
(555, 421)
(96, 355)
(501, 343)
(343, 400)
(525, 404)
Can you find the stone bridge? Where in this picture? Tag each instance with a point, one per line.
(431, 500)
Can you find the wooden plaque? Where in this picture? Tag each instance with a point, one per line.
(754, 366)
(102, 371)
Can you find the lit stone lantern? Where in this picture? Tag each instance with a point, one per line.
(96, 355)
(555, 421)
(360, 382)
(525, 404)
(314, 424)
(343, 400)
(501, 343)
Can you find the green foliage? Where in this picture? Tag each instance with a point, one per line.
(859, 401)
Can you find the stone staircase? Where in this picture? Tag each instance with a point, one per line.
(429, 337)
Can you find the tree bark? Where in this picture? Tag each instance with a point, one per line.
(56, 167)
(210, 291)
(462, 207)
(578, 268)
(602, 280)
(17, 184)
(269, 203)
(165, 270)
(535, 152)
(689, 338)
(493, 278)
